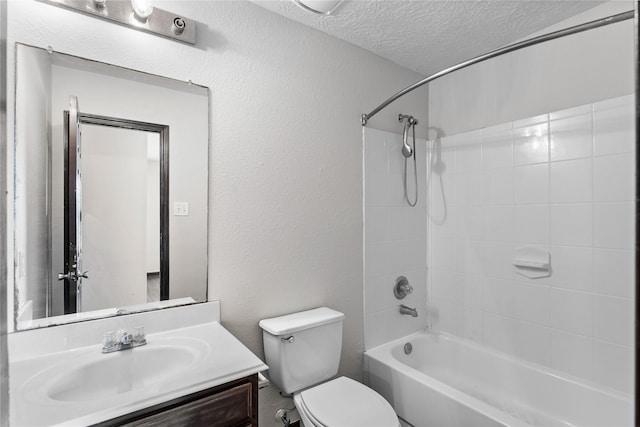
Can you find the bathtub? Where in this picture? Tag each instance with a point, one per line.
(448, 381)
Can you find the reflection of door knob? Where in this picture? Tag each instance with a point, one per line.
(73, 275)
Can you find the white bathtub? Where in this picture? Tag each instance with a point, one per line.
(447, 381)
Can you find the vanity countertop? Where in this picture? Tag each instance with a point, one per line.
(215, 357)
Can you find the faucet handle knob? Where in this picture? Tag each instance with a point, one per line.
(138, 334)
(108, 339)
(402, 287)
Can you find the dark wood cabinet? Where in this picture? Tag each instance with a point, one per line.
(233, 404)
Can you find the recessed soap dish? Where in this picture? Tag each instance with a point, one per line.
(532, 262)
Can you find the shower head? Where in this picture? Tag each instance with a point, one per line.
(407, 151)
(409, 121)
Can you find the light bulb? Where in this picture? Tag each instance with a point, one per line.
(142, 9)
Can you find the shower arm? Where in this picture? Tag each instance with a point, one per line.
(501, 51)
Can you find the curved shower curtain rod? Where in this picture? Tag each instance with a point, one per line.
(506, 49)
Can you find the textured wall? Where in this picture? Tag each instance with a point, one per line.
(285, 190)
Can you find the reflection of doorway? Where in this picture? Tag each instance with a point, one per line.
(116, 226)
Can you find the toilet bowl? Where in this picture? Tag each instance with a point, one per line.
(346, 403)
(303, 353)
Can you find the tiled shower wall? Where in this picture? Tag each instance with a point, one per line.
(563, 182)
(395, 237)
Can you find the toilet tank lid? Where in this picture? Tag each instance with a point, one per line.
(295, 322)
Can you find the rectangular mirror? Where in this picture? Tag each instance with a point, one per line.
(111, 175)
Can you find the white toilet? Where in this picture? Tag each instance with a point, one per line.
(303, 352)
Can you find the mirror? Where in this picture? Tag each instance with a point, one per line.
(111, 175)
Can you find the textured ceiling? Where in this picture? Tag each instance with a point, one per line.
(428, 36)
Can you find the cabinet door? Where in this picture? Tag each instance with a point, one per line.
(230, 405)
(227, 408)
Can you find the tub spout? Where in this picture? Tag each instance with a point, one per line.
(408, 310)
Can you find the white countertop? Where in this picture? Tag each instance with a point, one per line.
(226, 359)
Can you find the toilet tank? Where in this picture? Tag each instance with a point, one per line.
(302, 349)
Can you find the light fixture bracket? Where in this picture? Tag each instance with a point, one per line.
(160, 22)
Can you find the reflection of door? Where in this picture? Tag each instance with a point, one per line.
(116, 211)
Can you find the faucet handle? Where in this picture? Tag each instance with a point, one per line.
(138, 334)
(402, 288)
(108, 339)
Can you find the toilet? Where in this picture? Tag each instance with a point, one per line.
(303, 353)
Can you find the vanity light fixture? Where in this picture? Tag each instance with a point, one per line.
(138, 14)
(142, 9)
(319, 7)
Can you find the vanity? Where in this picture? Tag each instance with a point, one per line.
(192, 371)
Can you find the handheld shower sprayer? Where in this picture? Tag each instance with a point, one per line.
(409, 121)
(408, 151)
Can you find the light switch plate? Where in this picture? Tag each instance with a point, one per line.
(180, 208)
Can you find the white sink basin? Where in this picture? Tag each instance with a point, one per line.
(90, 376)
(120, 372)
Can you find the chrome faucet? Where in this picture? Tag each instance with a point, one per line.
(123, 340)
(408, 310)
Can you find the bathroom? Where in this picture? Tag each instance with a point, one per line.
(292, 217)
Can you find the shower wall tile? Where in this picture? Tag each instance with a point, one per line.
(532, 184)
(612, 223)
(531, 143)
(531, 224)
(613, 319)
(498, 223)
(571, 311)
(563, 182)
(532, 342)
(395, 237)
(571, 137)
(531, 303)
(612, 364)
(613, 271)
(571, 224)
(571, 181)
(497, 186)
(611, 178)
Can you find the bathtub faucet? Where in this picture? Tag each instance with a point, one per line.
(408, 310)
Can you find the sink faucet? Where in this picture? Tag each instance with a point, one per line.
(123, 340)
(408, 310)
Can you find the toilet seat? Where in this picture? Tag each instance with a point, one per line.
(345, 402)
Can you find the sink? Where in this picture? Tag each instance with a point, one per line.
(79, 385)
(93, 376)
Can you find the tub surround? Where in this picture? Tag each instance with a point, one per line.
(41, 357)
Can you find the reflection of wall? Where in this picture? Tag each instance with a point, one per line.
(285, 194)
(114, 214)
(153, 202)
(32, 158)
(116, 97)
